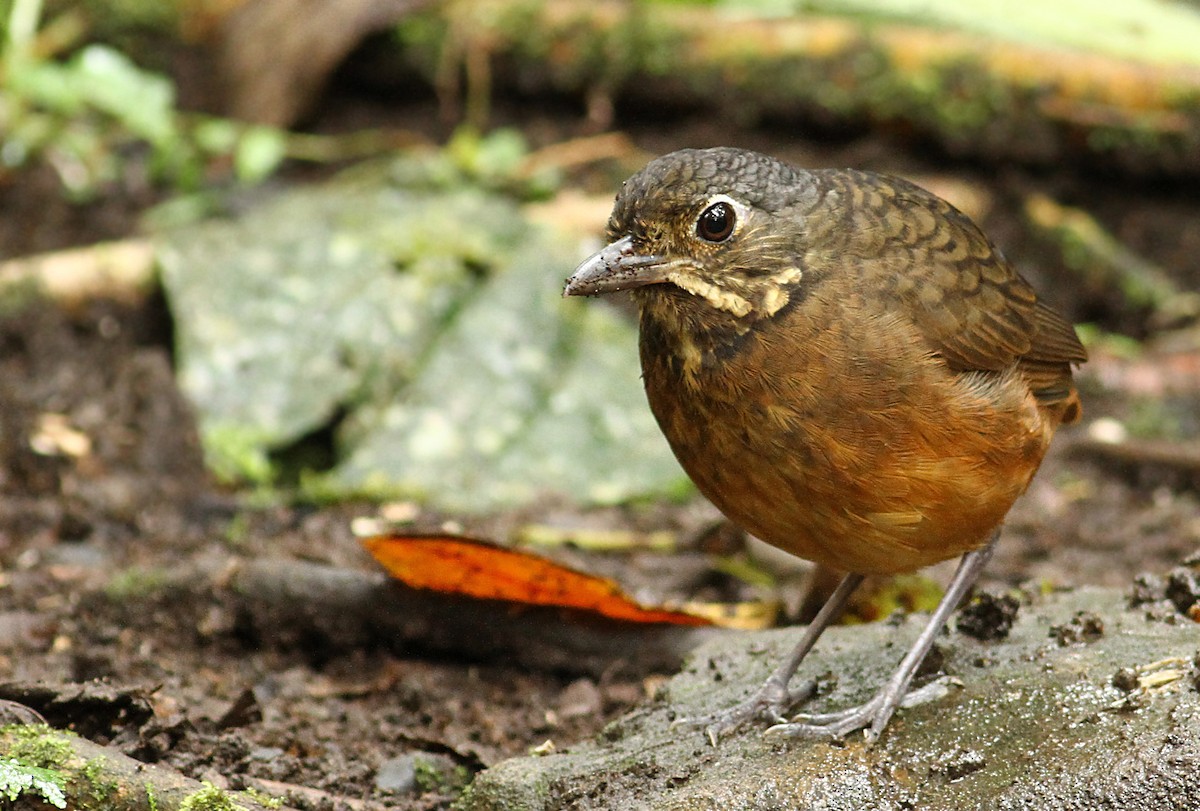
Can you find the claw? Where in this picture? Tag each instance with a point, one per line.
(774, 697)
(835, 726)
(769, 703)
(936, 689)
(870, 717)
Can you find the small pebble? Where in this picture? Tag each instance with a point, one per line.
(398, 774)
(1126, 679)
(265, 753)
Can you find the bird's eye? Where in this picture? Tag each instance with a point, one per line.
(716, 222)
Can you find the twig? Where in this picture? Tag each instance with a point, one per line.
(123, 271)
(1179, 458)
(307, 796)
(579, 152)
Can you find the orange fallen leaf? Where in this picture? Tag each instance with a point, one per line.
(474, 568)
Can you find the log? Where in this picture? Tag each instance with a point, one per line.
(96, 776)
(292, 601)
(977, 95)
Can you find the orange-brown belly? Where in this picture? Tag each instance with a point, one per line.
(865, 474)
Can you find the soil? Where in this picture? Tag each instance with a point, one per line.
(102, 480)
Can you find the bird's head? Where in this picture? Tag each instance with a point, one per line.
(706, 222)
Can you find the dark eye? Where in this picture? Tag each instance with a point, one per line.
(716, 223)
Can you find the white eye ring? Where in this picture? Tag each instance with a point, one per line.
(720, 219)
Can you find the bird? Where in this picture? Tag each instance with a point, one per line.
(847, 367)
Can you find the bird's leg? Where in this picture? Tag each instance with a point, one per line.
(875, 714)
(774, 698)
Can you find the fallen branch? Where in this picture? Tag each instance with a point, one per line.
(975, 93)
(288, 601)
(1104, 263)
(1002, 95)
(122, 271)
(95, 776)
(1181, 460)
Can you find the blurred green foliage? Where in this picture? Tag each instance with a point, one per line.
(97, 119)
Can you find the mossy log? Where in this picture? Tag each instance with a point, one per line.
(998, 90)
(975, 94)
(95, 776)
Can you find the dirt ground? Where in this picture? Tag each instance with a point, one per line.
(81, 523)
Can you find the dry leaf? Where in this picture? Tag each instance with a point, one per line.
(474, 568)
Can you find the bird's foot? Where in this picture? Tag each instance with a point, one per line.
(769, 703)
(871, 717)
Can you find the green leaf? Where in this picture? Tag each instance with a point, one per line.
(142, 101)
(428, 322)
(17, 778)
(259, 153)
(217, 136)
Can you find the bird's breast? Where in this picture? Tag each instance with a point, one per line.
(838, 439)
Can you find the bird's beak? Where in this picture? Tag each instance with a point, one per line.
(616, 267)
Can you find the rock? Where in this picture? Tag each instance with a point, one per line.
(1037, 724)
(581, 697)
(397, 774)
(415, 317)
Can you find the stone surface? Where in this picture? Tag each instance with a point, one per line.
(1037, 723)
(414, 315)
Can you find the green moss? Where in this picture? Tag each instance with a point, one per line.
(18, 296)
(262, 798)
(97, 790)
(124, 15)
(237, 452)
(135, 582)
(1111, 343)
(209, 798)
(965, 98)
(1144, 136)
(1153, 418)
(37, 744)
(432, 775)
(237, 531)
(426, 775)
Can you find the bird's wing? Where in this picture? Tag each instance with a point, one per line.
(967, 300)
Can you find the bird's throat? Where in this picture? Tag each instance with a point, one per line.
(714, 295)
(687, 333)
